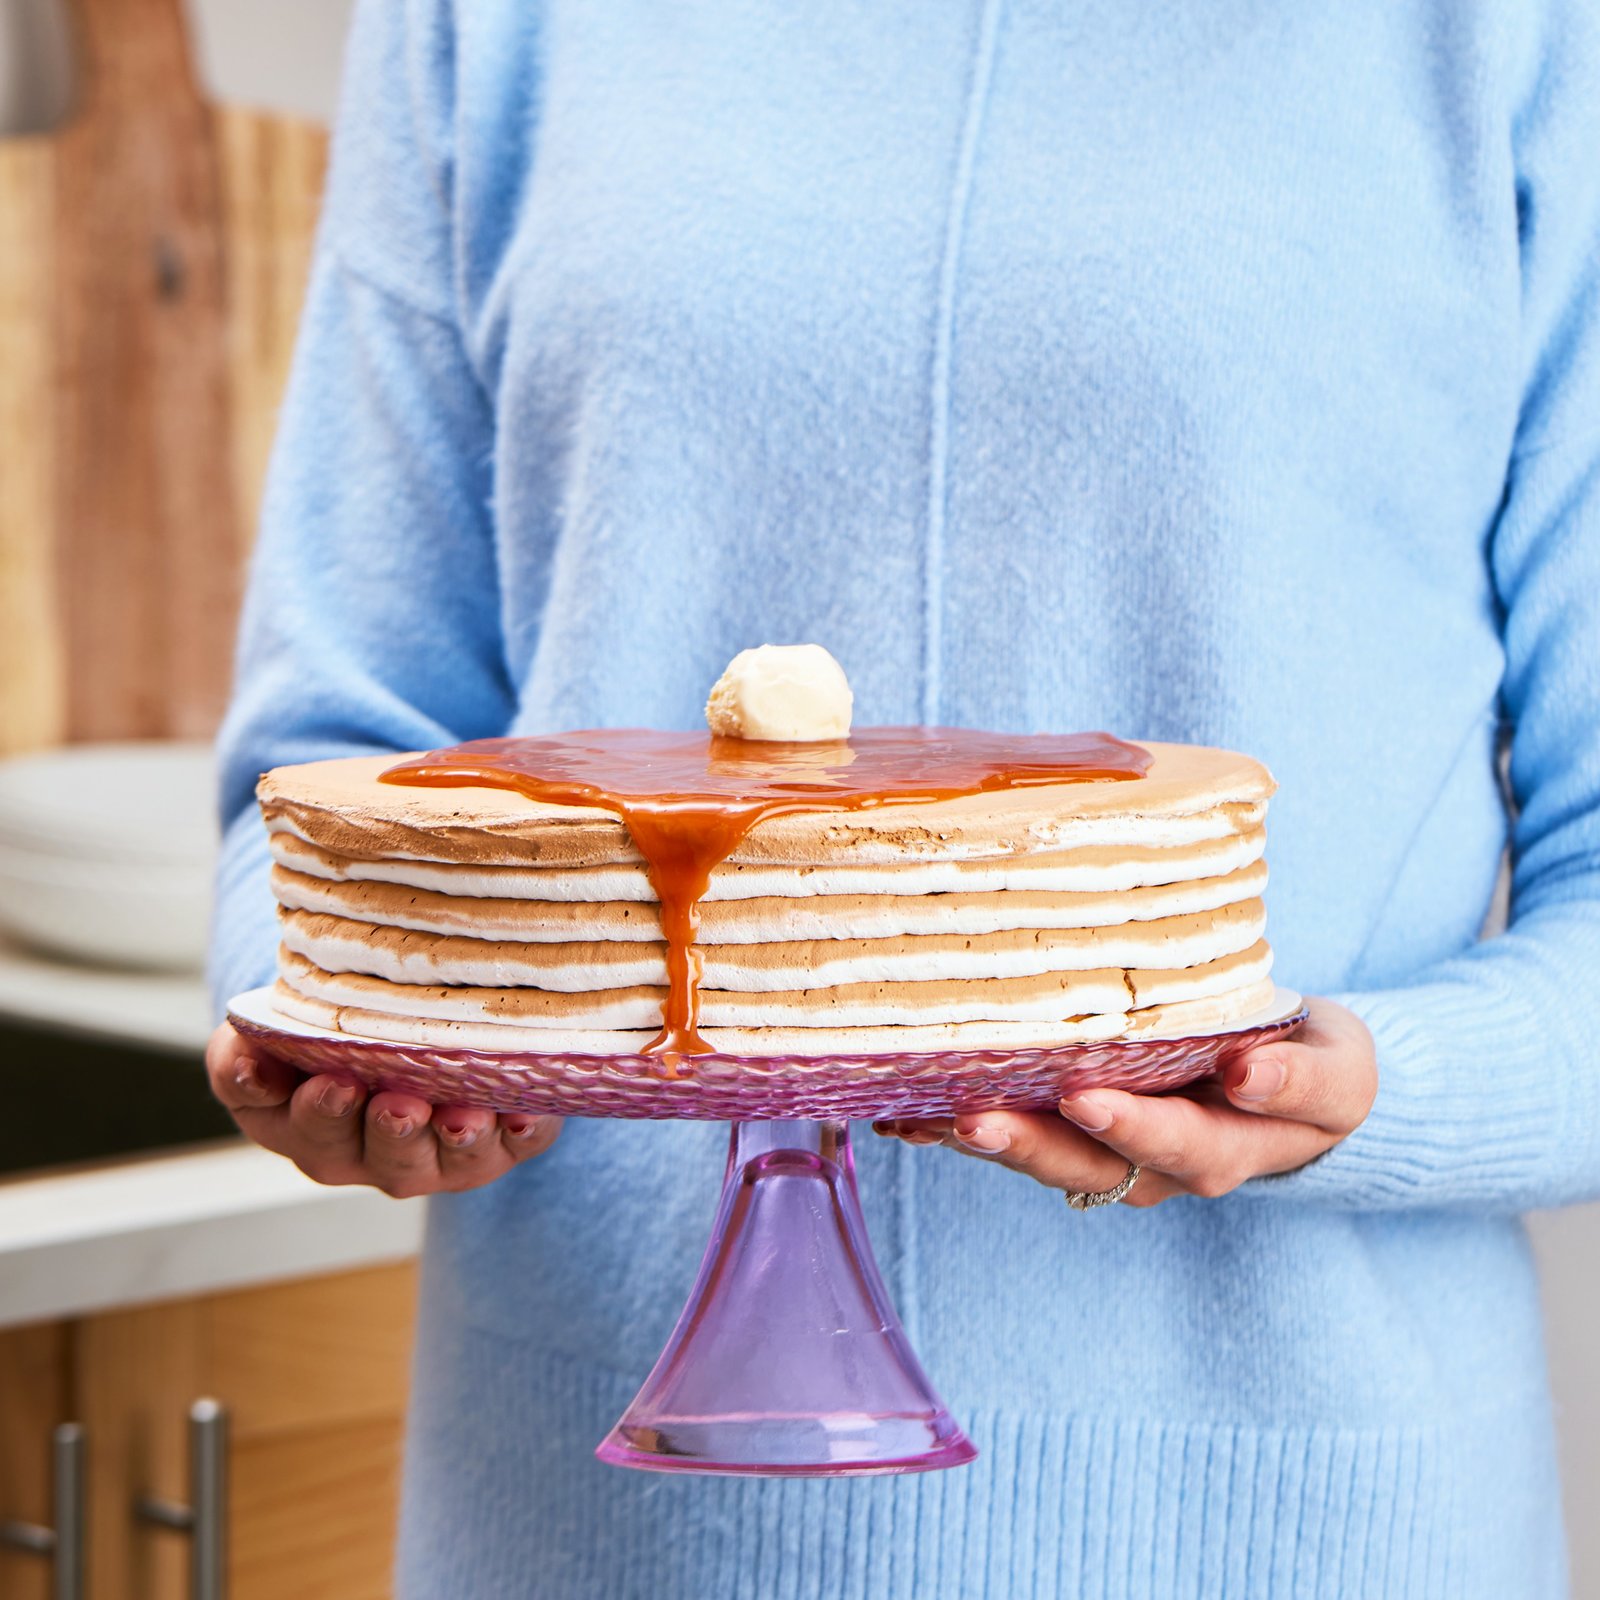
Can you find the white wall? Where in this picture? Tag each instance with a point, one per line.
(272, 55)
(1568, 1243)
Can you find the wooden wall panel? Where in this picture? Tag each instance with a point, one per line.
(31, 710)
(153, 258)
(146, 528)
(272, 176)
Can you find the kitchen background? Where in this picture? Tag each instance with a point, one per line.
(160, 167)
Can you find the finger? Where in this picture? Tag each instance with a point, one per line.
(1042, 1145)
(1326, 1074)
(255, 1089)
(324, 1135)
(1058, 1155)
(470, 1149)
(1054, 1154)
(915, 1130)
(1205, 1149)
(400, 1153)
(244, 1080)
(523, 1136)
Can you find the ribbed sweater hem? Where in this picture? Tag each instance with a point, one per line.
(1089, 1507)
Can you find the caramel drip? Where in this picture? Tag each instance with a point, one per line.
(689, 799)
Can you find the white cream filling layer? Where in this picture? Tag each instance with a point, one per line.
(342, 945)
(1102, 868)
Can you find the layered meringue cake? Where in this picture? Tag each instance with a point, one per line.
(612, 892)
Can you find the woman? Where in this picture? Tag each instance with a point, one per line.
(1223, 372)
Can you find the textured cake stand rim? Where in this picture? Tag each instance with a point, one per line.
(254, 1013)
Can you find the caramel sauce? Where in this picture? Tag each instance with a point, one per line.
(688, 799)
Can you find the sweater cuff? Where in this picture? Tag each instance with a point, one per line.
(1475, 1110)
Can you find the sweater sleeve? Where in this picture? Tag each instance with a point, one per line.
(371, 620)
(1489, 1064)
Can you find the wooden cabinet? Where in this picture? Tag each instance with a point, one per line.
(34, 1397)
(313, 1375)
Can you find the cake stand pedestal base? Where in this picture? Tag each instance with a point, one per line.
(788, 1359)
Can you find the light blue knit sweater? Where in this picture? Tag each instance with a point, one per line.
(1222, 370)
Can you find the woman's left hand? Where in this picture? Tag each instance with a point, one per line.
(1276, 1107)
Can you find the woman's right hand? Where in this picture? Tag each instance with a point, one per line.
(335, 1133)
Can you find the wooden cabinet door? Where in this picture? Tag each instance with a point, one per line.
(34, 1398)
(313, 1374)
(315, 1377)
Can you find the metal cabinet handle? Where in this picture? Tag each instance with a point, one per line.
(205, 1518)
(61, 1545)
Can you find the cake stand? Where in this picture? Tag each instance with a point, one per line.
(788, 1359)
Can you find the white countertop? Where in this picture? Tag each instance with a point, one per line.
(214, 1217)
(158, 1010)
(174, 1223)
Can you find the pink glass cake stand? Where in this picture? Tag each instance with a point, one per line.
(788, 1359)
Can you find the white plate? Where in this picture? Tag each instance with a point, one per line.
(106, 853)
(145, 801)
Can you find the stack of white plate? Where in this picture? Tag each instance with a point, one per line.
(106, 852)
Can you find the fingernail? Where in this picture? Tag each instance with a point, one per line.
(395, 1127)
(1262, 1079)
(920, 1139)
(338, 1100)
(247, 1076)
(522, 1127)
(887, 1129)
(1088, 1111)
(986, 1136)
(459, 1133)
